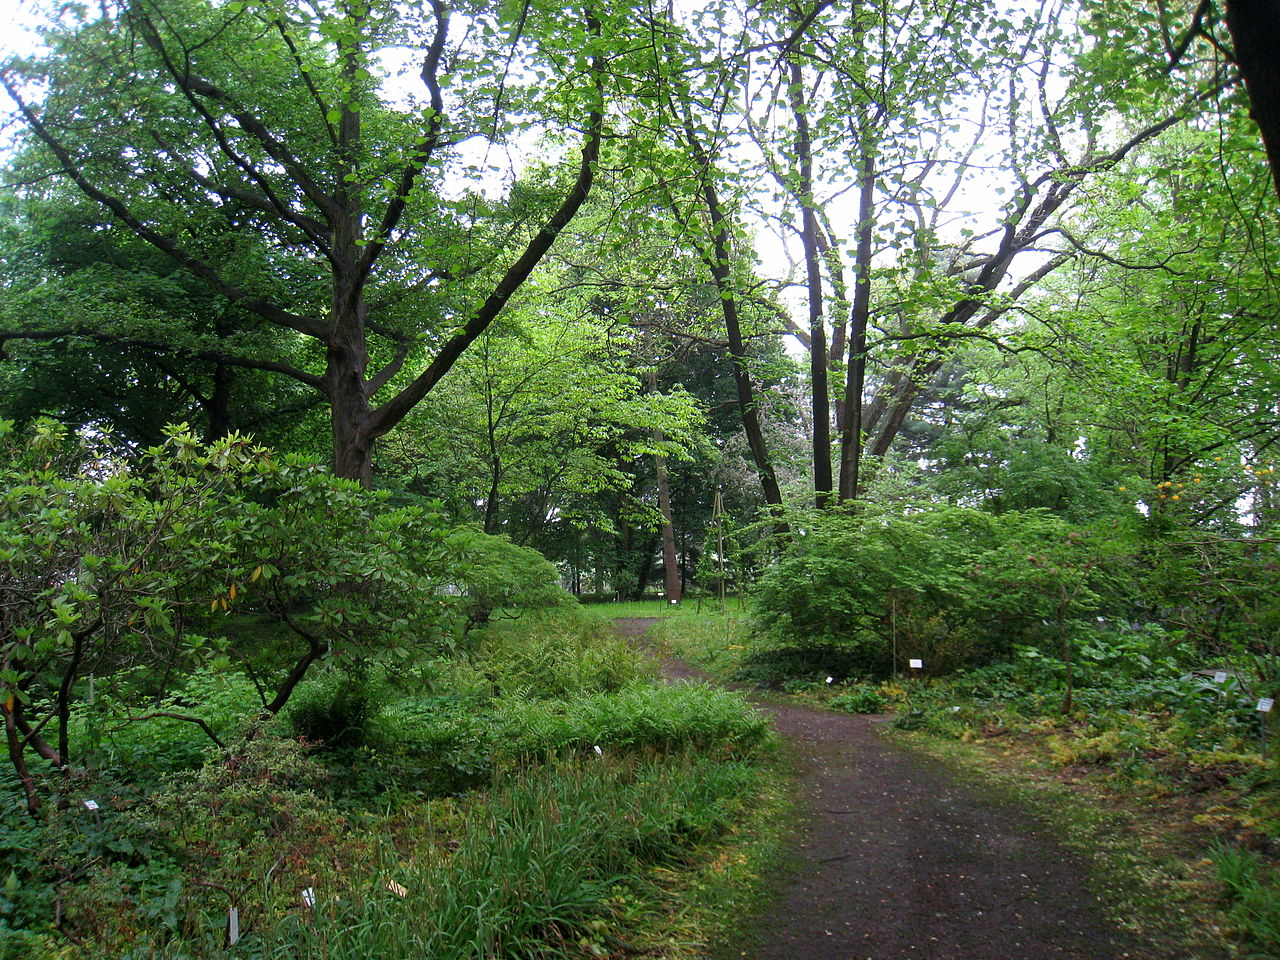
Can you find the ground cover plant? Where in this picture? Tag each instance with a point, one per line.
(435, 783)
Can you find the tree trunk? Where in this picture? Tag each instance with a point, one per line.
(748, 410)
(670, 563)
(1255, 35)
(820, 396)
(217, 407)
(855, 378)
(644, 567)
(344, 384)
(17, 758)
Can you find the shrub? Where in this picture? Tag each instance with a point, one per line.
(492, 573)
(656, 717)
(859, 699)
(139, 566)
(1251, 893)
(858, 595)
(565, 655)
(336, 709)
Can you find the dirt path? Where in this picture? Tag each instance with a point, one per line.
(894, 860)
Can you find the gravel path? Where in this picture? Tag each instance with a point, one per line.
(893, 859)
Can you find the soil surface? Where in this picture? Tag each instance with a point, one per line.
(892, 859)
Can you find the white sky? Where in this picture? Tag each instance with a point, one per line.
(16, 35)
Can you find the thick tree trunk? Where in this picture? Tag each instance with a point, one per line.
(855, 377)
(644, 567)
(820, 395)
(1255, 36)
(344, 384)
(217, 406)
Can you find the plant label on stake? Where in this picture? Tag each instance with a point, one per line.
(91, 805)
(916, 664)
(233, 926)
(309, 897)
(1265, 705)
(1220, 677)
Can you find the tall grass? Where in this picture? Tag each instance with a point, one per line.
(1252, 895)
(651, 716)
(530, 871)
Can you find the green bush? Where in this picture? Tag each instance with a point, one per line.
(531, 870)
(656, 717)
(563, 655)
(337, 708)
(491, 573)
(1251, 893)
(859, 699)
(952, 586)
(146, 567)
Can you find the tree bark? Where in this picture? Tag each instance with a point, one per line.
(670, 562)
(856, 375)
(1255, 36)
(748, 409)
(820, 400)
(17, 758)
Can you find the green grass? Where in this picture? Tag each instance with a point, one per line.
(549, 864)
(547, 847)
(688, 609)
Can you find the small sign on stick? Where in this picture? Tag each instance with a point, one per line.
(309, 897)
(916, 664)
(1220, 677)
(1265, 705)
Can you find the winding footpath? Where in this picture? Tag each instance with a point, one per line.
(892, 859)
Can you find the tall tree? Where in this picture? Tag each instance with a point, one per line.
(891, 120)
(386, 258)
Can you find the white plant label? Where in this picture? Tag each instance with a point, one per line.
(599, 752)
(831, 679)
(1265, 705)
(91, 804)
(916, 664)
(397, 889)
(233, 926)
(1220, 677)
(309, 897)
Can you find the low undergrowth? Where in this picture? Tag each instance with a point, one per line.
(541, 797)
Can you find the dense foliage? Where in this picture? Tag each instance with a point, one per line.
(942, 331)
(952, 586)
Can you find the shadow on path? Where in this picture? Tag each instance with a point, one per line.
(895, 860)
